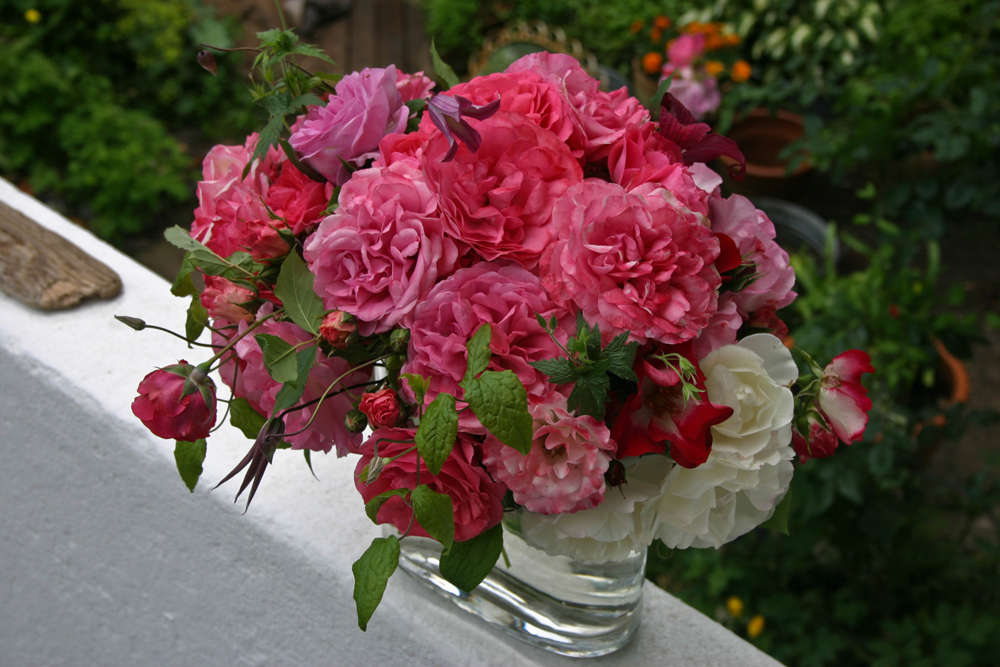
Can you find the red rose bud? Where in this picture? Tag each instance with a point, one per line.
(337, 329)
(381, 408)
(177, 402)
(207, 60)
(821, 443)
(355, 421)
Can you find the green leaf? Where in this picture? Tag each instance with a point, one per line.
(435, 513)
(183, 284)
(656, 101)
(189, 457)
(469, 562)
(560, 371)
(295, 289)
(245, 418)
(445, 74)
(371, 574)
(197, 317)
(375, 504)
(590, 394)
(779, 520)
(312, 52)
(279, 358)
(269, 137)
(290, 394)
(500, 402)
(479, 351)
(419, 385)
(437, 432)
(181, 238)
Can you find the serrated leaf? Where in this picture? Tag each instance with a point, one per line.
(183, 285)
(589, 395)
(437, 432)
(245, 418)
(559, 371)
(419, 385)
(179, 237)
(371, 574)
(500, 402)
(197, 317)
(469, 562)
(189, 457)
(435, 513)
(295, 289)
(479, 354)
(656, 101)
(269, 137)
(779, 520)
(445, 74)
(279, 358)
(290, 394)
(312, 52)
(375, 504)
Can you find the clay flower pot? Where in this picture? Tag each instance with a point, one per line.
(763, 136)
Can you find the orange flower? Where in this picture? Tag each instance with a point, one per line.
(711, 28)
(693, 28)
(741, 70)
(636, 27)
(661, 22)
(732, 39)
(651, 62)
(714, 41)
(656, 34)
(714, 68)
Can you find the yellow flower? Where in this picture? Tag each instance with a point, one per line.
(755, 626)
(741, 71)
(32, 16)
(734, 605)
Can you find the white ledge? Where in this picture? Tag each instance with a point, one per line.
(108, 560)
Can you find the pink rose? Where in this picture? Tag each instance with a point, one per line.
(337, 328)
(754, 234)
(599, 118)
(499, 199)
(262, 240)
(842, 398)
(413, 86)
(685, 49)
(477, 500)
(721, 328)
(821, 443)
(297, 199)
(635, 262)
(383, 249)
(700, 94)
(225, 299)
(367, 107)
(564, 471)
(381, 408)
(507, 297)
(162, 408)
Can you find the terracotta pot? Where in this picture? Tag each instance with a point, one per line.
(763, 136)
(956, 377)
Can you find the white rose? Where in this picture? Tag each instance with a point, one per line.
(749, 470)
(613, 529)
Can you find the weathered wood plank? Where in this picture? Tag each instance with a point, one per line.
(44, 270)
(364, 36)
(417, 44)
(392, 49)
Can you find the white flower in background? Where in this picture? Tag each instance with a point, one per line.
(613, 529)
(749, 470)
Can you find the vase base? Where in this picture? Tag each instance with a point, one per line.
(599, 621)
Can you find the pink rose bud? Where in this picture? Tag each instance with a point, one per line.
(337, 328)
(381, 408)
(207, 60)
(177, 402)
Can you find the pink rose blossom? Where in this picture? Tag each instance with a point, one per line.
(225, 299)
(162, 408)
(413, 86)
(721, 328)
(499, 199)
(337, 328)
(685, 49)
(367, 107)
(477, 500)
(820, 444)
(635, 262)
(297, 199)
(564, 471)
(695, 90)
(507, 297)
(842, 398)
(262, 240)
(381, 408)
(383, 249)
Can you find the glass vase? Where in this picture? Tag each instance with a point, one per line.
(563, 605)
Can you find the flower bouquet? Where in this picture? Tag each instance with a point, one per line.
(521, 297)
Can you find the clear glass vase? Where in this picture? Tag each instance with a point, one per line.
(567, 606)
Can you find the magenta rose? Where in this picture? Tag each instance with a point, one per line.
(297, 199)
(225, 299)
(164, 410)
(383, 249)
(564, 470)
(476, 499)
(381, 408)
(842, 398)
(367, 106)
(685, 49)
(507, 297)
(634, 262)
(499, 199)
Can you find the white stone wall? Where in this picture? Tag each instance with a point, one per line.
(106, 559)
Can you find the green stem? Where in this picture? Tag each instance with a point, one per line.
(241, 337)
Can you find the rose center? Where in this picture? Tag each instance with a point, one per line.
(665, 400)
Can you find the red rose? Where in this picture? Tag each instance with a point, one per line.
(337, 328)
(167, 412)
(822, 443)
(381, 408)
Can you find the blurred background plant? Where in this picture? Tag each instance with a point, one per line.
(107, 112)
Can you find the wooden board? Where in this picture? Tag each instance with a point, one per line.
(44, 270)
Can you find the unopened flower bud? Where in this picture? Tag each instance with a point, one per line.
(395, 362)
(355, 421)
(337, 328)
(375, 469)
(207, 60)
(133, 322)
(399, 339)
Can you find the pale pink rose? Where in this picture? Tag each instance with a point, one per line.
(383, 249)
(254, 383)
(753, 234)
(499, 199)
(297, 199)
(477, 501)
(226, 199)
(635, 262)
(685, 49)
(225, 299)
(366, 107)
(413, 86)
(695, 90)
(842, 398)
(564, 470)
(507, 297)
(600, 118)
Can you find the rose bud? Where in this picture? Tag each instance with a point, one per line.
(381, 408)
(355, 421)
(399, 339)
(177, 402)
(337, 328)
(207, 60)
